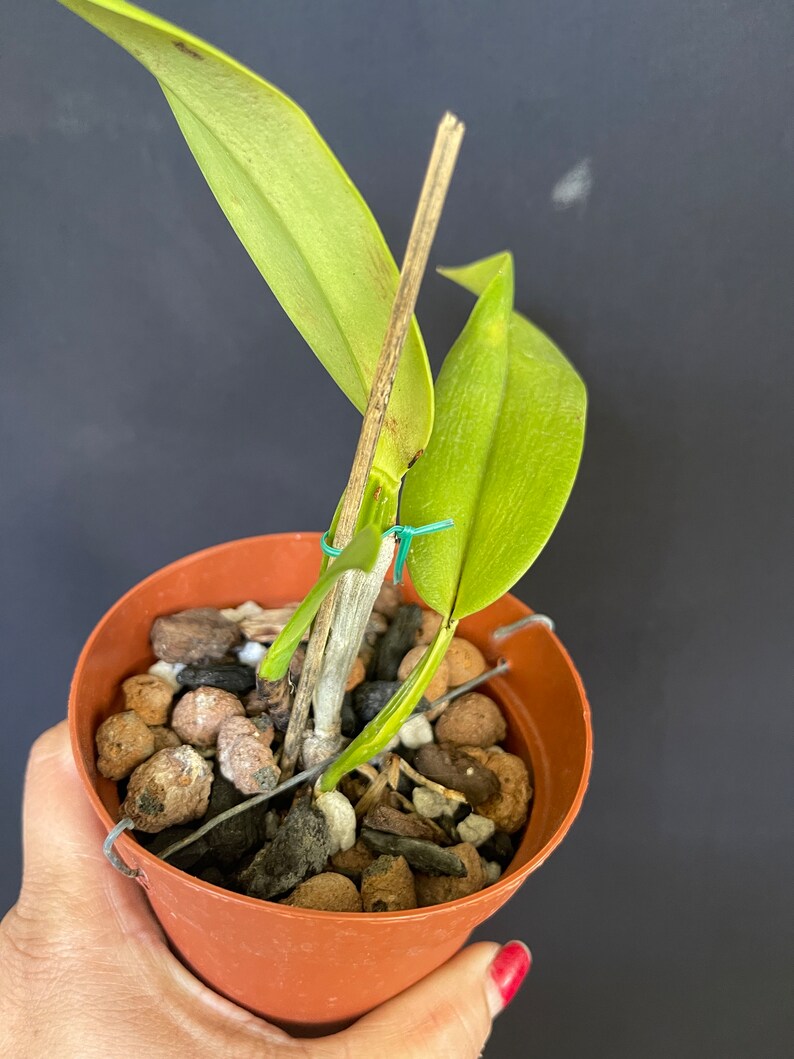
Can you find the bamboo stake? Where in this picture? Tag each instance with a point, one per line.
(425, 223)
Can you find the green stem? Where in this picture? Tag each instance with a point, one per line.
(397, 710)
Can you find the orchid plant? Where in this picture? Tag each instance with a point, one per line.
(490, 452)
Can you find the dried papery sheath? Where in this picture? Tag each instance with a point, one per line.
(354, 601)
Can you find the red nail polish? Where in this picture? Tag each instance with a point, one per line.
(509, 969)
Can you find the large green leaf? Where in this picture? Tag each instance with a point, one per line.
(305, 225)
(510, 414)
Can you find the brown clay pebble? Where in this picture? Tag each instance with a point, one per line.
(198, 715)
(456, 770)
(464, 662)
(471, 720)
(435, 889)
(431, 623)
(172, 787)
(328, 892)
(388, 886)
(438, 685)
(384, 818)
(356, 675)
(149, 696)
(509, 807)
(164, 737)
(123, 742)
(244, 755)
(193, 636)
(352, 862)
(389, 600)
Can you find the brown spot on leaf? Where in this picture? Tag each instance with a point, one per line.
(415, 457)
(181, 46)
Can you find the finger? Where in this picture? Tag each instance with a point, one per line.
(450, 1012)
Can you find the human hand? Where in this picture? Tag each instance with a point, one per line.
(86, 972)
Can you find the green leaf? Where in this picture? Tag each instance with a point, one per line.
(295, 210)
(510, 415)
(360, 554)
(386, 724)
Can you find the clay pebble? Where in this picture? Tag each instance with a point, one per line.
(509, 806)
(431, 623)
(327, 892)
(244, 754)
(172, 787)
(194, 636)
(123, 742)
(149, 696)
(471, 720)
(464, 661)
(353, 862)
(164, 737)
(388, 600)
(387, 885)
(435, 890)
(198, 715)
(440, 680)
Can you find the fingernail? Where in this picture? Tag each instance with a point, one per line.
(508, 970)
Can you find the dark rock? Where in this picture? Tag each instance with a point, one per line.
(370, 698)
(425, 856)
(300, 848)
(384, 818)
(194, 636)
(397, 641)
(498, 847)
(350, 725)
(457, 771)
(233, 838)
(213, 875)
(228, 677)
(190, 858)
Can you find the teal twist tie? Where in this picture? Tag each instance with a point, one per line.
(405, 535)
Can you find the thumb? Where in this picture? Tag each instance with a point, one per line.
(66, 876)
(449, 1013)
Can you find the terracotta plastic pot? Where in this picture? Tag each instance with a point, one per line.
(300, 967)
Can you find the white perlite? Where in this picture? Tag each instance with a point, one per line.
(167, 671)
(341, 819)
(492, 871)
(476, 829)
(432, 804)
(417, 731)
(251, 653)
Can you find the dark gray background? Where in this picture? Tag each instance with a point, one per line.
(156, 400)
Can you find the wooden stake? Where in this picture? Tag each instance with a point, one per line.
(428, 213)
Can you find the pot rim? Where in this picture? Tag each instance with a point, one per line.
(509, 880)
